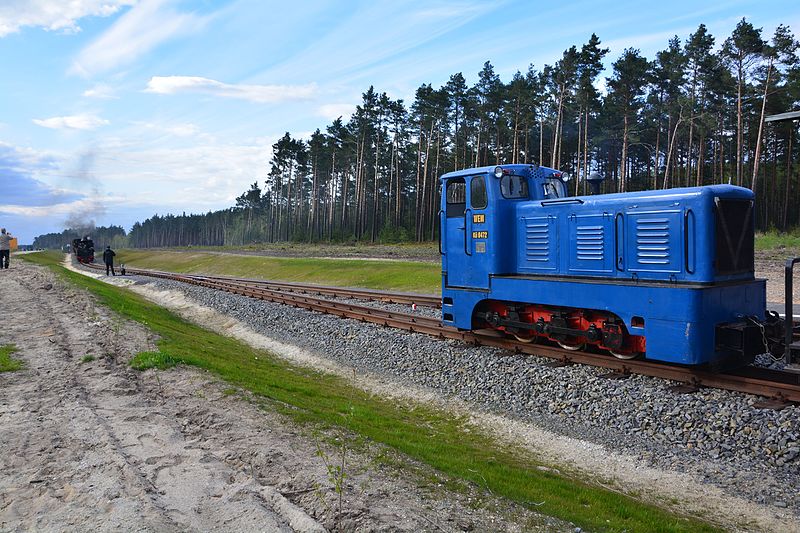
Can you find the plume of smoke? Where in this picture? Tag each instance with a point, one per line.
(82, 221)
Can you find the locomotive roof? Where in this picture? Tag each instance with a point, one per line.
(490, 169)
(545, 171)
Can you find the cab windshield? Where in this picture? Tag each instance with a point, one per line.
(513, 187)
(553, 188)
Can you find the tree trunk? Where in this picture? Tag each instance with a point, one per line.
(788, 181)
(761, 127)
(541, 140)
(740, 75)
(578, 152)
(673, 136)
(585, 149)
(624, 165)
(375, 202)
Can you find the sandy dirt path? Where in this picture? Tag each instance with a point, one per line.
(619, 471)
(97, 445)
(92, 443)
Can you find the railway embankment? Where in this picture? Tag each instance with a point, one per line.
(579, 496)
(703, 452)
(719, 438)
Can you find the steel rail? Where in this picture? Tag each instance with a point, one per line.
(425, 300)
(779, 385)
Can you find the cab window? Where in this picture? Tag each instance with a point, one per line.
(513, 186)
(477, 189)
(552, 189)
(456, 197)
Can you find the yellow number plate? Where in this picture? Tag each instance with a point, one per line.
(480, 234)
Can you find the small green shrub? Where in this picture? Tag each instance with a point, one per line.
(88, 358)
(159, 360)
(8, 363)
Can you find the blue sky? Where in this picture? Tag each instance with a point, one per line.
(113, 110)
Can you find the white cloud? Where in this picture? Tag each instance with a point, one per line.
(41, 210)
(101, 90)
(178, 130)
(72, 122)
(195, 178)
(334, 111)
(53, 15)
(262, 94)
(135, 33)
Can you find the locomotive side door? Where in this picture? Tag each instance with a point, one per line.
(465, 233)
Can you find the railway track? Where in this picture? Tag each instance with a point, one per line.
(777, 387)
(426, 300)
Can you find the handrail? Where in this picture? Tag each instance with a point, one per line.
(686, 233)
(467, 229)
(442, 228)
(562, 201)
(789, 316)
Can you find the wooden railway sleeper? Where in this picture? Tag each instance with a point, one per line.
(775, 403)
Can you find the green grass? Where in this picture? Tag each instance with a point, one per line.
(408, 276)
(8, 363)
(427, 251)
(449, 444)
(774, 240)
(88, 358)
(159, 360)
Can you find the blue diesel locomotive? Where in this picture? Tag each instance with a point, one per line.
(667, 275)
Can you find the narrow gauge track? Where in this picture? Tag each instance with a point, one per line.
(425, 300)
(779, 386)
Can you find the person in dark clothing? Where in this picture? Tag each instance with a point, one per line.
(108, 259)
(5, 247)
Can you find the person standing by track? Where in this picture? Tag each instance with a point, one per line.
(108, 259)
(5, 248)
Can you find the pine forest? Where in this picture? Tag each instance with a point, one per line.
(692, 115)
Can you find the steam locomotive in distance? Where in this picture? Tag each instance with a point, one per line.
(666, 275)
(83, 250)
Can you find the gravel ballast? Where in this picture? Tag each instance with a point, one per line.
(717, 436)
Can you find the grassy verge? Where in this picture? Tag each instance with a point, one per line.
(388, 275)
(159, 360)
(426, 251)
(8, 363)
(773, 240)
(450, 445)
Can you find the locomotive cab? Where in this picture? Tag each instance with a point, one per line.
(477, 219)
(663, 274)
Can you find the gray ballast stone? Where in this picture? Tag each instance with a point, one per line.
(717, 435)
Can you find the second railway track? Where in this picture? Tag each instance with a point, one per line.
(778, 386)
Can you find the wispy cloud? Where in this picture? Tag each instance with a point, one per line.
(177, 130)
(101, 90)
(405, 26)
(263, 94)
(84, 205)
(54, 15)
(72, 122)
(21, 188)
(446, 11)
(134, 34)
(194, 178)
(334, 111)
